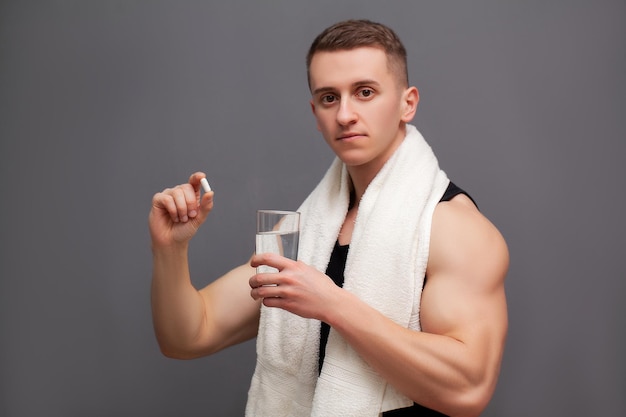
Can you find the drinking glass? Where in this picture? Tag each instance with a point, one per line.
(277, 231)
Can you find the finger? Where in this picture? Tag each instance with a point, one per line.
(191, 195)
(275, 302)
(263, 286)
(257, 281)
(270, 259)
(166, 202)
(195, 178)
(265, 279)
(206, 205)
(180, 198)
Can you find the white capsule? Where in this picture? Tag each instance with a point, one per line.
(205, 185)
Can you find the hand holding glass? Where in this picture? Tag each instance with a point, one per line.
(277, 232)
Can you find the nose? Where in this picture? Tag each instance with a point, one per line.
(346, 114)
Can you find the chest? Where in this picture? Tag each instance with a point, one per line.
(345, 234)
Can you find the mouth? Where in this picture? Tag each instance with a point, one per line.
(350, 135)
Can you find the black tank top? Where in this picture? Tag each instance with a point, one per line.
(335, 269)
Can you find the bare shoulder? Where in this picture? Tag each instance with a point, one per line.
(464, 242)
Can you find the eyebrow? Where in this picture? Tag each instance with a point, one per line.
(354, 85)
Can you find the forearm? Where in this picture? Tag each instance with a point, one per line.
(435, 371)
(177, 307)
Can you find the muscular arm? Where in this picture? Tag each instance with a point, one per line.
(189, 323)
(453, 364)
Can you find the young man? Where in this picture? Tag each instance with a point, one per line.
(396, 304)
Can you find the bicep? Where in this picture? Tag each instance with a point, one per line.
(464, 295)
(462, 312)
(232, 316)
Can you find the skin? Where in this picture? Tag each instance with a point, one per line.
(453, 364)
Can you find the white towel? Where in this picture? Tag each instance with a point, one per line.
(385, 268)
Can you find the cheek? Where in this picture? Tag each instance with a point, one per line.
(324, 121)
(324, 128)
(389, 114)
(379, 118)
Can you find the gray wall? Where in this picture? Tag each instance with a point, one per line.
(104, 103)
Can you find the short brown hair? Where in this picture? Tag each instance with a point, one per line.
(351, 34)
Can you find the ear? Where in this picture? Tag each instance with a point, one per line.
(410, 99)
(315, 114)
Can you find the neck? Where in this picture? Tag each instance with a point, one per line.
(360, 182)
(362, 175)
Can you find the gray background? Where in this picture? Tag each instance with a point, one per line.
(104, 103)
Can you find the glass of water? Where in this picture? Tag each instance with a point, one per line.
(277, 231)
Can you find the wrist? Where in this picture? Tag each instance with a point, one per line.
(169, 249)
(341, 303)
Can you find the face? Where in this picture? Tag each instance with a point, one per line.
(360, 106)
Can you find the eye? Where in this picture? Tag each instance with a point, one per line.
(328, 99)
(366, 93)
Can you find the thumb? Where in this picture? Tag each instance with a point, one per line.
(205, 207)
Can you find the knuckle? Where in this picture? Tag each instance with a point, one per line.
(269, 256)
(253, 282)
(262, 292)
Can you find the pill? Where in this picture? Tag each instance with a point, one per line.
(205, 185)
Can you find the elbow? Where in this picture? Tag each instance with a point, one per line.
(467, 402)
(174, 354)
(182, 354)
(179, 351)
(473, 401)
(473, 408)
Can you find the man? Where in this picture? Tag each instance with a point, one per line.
(396, 304)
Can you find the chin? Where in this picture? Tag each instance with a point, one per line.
(353, 161)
